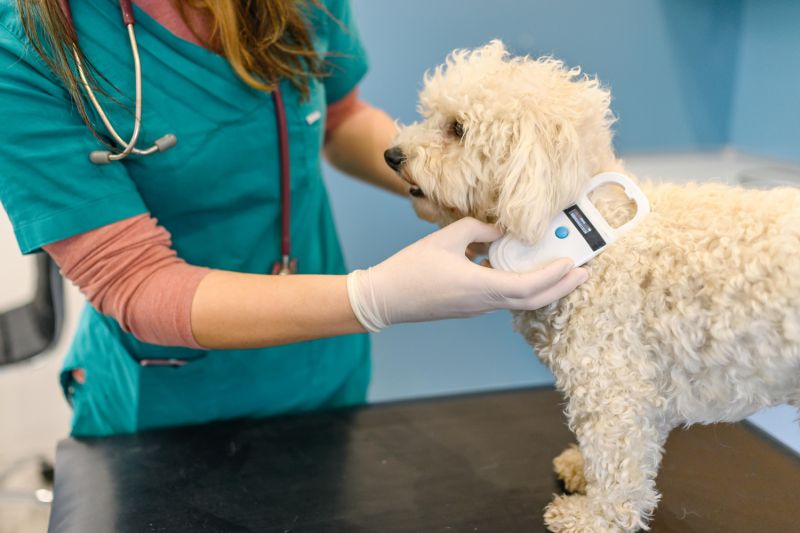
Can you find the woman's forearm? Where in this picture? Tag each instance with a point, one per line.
(356, 148)
(231, 310)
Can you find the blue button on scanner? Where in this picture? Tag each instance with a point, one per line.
(562, 232)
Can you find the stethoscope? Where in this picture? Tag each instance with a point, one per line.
(285, 265)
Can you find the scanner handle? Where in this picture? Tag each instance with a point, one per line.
(631, 191)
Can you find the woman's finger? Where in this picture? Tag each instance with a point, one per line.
(469, 230)
(564, 286)
(529, 284)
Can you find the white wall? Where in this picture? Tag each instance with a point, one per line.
(33, 414)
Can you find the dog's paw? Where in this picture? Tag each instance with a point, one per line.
(569, 469)
(571, 514)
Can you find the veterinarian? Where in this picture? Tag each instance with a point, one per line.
(170, 228)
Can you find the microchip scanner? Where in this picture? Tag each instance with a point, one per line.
(579, 232)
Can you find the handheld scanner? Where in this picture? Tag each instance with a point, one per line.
(579, 232)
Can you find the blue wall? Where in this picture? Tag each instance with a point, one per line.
(669, 63)
(685, 75)
(766, 111)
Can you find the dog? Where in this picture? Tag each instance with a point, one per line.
(691, 317)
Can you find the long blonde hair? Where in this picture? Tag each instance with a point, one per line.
(263, 40)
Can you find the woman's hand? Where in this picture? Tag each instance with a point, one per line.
(429, 280)
(433, 279)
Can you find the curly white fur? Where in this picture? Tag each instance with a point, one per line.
(691, 318)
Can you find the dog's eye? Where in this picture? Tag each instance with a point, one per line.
(457, 129)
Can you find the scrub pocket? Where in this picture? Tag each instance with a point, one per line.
(106, 403)
(177, 395)
(119, 395)
(308, 117)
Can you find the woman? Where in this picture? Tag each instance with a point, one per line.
(172, 249)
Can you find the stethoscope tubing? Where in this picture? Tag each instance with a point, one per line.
(129, 146)
(169, 140)
(283, 146)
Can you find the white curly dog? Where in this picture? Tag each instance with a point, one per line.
(692, 317)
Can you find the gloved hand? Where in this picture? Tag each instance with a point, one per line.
(432, 279)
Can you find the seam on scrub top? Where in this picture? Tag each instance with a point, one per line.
(29, 53)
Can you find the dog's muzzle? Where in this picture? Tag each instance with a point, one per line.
(395, 158)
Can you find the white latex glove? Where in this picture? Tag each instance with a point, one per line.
(433, 279)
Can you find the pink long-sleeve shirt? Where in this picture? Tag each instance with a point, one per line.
(128, 269)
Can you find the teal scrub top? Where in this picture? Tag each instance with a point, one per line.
(216, 192)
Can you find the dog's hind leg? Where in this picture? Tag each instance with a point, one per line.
(621, 444)
(568, 466)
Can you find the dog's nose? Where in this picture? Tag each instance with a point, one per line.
(394, 157)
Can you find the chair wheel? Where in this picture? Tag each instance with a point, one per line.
(47, 471)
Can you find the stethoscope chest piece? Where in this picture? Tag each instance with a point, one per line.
(284, 266)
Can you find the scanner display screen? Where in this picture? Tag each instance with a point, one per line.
(585, 227)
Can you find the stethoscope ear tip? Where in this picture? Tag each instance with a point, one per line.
(100, 157)
(166, 142)
(104, 157)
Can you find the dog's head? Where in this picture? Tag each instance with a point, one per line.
(506, 140)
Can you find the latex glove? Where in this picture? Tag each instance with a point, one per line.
(433, 279)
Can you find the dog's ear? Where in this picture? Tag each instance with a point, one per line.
(559, 138)
(538, 178)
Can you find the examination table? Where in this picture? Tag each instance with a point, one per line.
(476, 463)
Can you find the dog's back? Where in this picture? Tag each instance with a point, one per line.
(706, 292)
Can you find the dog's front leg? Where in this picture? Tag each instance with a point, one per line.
(620, 440)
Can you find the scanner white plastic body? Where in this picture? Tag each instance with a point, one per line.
(579, 232)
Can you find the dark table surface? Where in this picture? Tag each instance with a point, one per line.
(469, 463)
